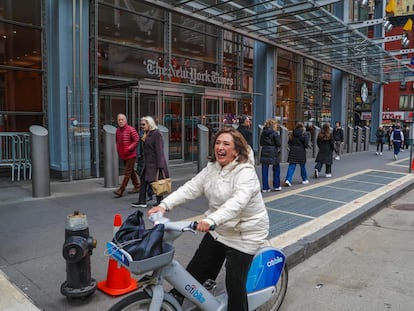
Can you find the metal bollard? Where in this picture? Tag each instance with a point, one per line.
(111, 162)
(284, 137)
(39, 149)
(203, 146)
(350, 139)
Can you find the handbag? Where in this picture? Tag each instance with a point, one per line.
(161, 186)
(139, 242)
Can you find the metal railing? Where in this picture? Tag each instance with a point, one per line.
(15, 154)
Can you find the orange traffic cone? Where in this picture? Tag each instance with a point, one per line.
(118, 279)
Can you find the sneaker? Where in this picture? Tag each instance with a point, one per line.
(380, 153)
(395, 157)
(315, 173)
(287, 183)
(376, 153)
(337, 158)
(277, 189)
(265, 190)
(138, 204)
(305, 182)
(328, 175)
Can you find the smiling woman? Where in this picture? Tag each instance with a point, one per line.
(236, 210)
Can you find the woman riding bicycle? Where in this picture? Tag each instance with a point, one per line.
(236, 209)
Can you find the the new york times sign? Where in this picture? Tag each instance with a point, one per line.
(187, 73)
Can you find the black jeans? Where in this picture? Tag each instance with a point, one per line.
(207, 262)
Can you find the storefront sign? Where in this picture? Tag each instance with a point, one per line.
(187, 73)
(395, 115)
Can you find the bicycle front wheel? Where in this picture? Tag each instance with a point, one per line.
(280, 292)
(139, 302)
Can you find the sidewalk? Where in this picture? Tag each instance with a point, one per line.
(304, 219)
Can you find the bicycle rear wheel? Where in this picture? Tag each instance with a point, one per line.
(280, 293)
(139, 302)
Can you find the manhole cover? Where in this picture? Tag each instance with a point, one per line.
(403, 207)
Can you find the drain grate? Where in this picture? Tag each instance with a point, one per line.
(403, 207)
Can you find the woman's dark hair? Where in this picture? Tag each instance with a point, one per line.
(325, 133)
(242, 147)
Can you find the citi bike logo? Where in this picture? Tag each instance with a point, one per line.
(192, 289)
(274, 261)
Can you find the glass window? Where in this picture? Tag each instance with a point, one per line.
(143, 28)
(20, 46)
(193, 39)
(22, 11)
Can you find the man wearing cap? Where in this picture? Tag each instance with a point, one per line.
(244, 129)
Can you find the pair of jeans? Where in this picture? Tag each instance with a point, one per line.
(397, 147)
(291, 171)
(380, 147)
(328, 167)
(265, 176)
(207, 262)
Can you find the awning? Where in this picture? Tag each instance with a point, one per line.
(302, 27)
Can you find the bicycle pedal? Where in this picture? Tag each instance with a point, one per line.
(210, 284)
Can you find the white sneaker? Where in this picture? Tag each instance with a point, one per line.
(328, 175)
(265, 190)
(380, 153)
(395, 157)
(287, 183)
(337, 158)
(376, 153)
(305, 182)
(277, 189)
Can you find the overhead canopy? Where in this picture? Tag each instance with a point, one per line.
(302, 27)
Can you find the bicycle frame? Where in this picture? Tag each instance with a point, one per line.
(265, 271)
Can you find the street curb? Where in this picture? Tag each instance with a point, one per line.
(314, 242)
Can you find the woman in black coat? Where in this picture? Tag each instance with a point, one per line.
(154, 160)
(270, 155)
(298, 142)
(326, 145)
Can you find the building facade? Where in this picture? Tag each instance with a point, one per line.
(72, 66)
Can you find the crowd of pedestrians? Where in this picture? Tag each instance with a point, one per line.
(145, 149)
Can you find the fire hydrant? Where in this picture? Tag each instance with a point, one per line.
(77, 250)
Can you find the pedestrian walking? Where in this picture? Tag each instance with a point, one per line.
(154, 159)
(140, 161)
(126, 138)
(380, 134)
(406, 133)
(298, 142)
(397, 138)
(338, 136)
(270, 154)
(326, 147)
(244, 129)
(389, 131)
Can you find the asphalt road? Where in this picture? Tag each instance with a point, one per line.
(369, 268)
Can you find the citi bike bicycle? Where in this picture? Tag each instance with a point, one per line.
(266, 282)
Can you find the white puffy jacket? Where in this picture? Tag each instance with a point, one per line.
(236, 204)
